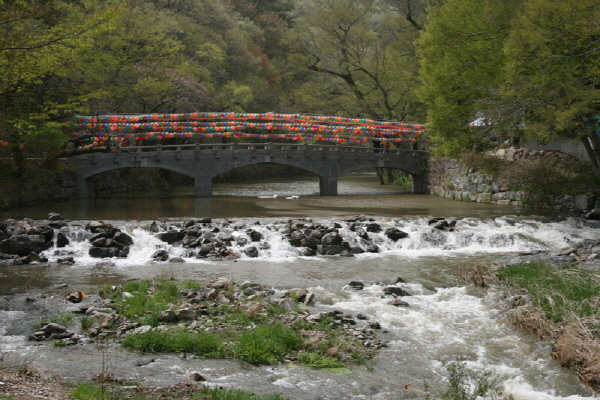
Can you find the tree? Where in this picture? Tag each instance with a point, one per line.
(553, 71)
(357, 44)
(39, 41)
(461, 70)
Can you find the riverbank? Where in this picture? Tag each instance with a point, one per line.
(555, 297)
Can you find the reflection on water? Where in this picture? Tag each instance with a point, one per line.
(359, 193)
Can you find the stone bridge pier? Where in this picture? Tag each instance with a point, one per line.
(204, 162)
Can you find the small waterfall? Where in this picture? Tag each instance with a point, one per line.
(288, 239)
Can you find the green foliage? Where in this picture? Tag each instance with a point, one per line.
(65, 319)
(561, 293)
(90, 391)
(544, 178)
(267, 344)
(315, 360)
(406, 181)
(150, 297)
(86, 323)
(551, 64)
(362, 54)
(461, 62)
(468, 384)
(492, 166)
(176, 341)
(234, 394)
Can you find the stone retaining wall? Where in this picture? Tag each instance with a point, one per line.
(453, 180)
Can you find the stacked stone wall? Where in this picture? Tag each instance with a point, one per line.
(453, 180)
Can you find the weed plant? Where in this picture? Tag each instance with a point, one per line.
(561, 293)
(469, 384)
(62, 319)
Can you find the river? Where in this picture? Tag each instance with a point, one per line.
(444, 319)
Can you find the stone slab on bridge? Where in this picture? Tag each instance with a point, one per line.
(203, 162)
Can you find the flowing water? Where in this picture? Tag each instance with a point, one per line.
(444, 319)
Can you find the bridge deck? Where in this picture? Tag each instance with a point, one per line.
(205, 161)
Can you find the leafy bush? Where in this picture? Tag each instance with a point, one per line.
(468, 384)
(492, 166)
(545, 178)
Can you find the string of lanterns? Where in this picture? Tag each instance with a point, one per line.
(235, 125)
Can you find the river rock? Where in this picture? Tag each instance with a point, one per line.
(53, 328)
(96, 226)
(396, 291)
(395, 234)
(332, 239)
(593, 215)
(287, 303)
(356, 285)
(373, 227)
(251, 251)
(106, 252)
(171, 236)
(255, 236)
(310, 242)
(23, 245)
(55, 217)
(167, 316)
(123, 238)
(186, 314)
(160, 255)
(61, 240)
(105, 320)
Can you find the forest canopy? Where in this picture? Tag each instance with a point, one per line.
(522, 68)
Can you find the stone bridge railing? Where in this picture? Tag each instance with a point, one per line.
(205, 161)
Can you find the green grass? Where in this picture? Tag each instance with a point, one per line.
(90, 391)
(405, 181)
(561, 293)
(230, 330)
(315, 360)
(95, 391)
(149, 298)
(62, 319)
(235, 394)
(176, 341)
(267, 344)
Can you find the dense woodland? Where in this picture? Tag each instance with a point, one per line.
(520, 67)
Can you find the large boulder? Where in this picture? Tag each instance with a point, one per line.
(251, 251)
(107, 252)
(123, 238)
(23, 245)
(332, 239)
(61, 240)
(171, 236)
(395, 234)
(395, 291)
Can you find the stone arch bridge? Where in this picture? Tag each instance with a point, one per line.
(203, 162)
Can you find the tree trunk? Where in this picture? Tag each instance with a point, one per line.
(380, 175)
(593, 153)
